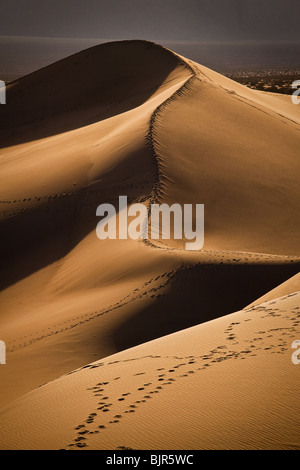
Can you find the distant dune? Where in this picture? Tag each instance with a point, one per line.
(181, 370)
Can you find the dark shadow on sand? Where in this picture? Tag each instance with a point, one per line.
(88, 87)
(200, 294)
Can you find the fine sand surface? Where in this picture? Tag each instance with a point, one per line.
(181, 371)
(228, 384)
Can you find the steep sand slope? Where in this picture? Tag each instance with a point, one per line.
(237, 151)
(69, 299)
(226, 384)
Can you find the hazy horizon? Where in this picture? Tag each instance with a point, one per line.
(20, 56)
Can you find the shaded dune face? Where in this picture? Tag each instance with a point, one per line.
(132, 118)
(95, 84)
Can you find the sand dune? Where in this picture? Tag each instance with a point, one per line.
(134, 118)
(202, 140)
(228, 384)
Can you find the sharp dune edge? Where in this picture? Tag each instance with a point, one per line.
(181, 370)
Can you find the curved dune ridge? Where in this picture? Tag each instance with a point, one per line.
(181, 371)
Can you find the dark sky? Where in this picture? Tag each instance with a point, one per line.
(226, 20)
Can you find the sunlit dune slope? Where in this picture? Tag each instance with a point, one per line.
(227, 384)
(237, 151)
